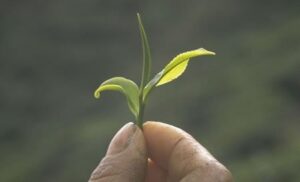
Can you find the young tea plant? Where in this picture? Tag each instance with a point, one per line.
(137, 96)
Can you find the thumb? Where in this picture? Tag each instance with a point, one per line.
(126, 157)
(178, 153)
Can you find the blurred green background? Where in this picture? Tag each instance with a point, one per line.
(242, 104)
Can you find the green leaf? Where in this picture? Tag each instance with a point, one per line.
(174, 69)
(125, 86)
(173, 73)
(146, 73)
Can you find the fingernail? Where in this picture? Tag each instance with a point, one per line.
(122, 139)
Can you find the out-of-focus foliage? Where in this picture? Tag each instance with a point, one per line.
(244, 105)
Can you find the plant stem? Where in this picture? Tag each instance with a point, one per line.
(146, 71)
(139, 121)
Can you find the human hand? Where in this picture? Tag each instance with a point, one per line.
(159, 153)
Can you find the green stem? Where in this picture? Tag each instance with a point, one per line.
(146, 71)
(139, 121)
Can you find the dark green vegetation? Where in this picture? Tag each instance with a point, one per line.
(243, 105)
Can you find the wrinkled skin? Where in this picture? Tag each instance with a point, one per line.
(159, 153)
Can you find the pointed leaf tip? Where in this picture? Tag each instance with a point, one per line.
(179, 64)
(175, 68)
(205, 52)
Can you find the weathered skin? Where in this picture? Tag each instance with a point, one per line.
(161, 153)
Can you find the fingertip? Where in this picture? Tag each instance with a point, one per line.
(121, 139)
(126, 158)
(152, 127)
